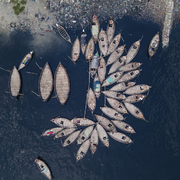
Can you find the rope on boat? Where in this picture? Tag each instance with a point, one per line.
(5, 69)
(35, 93)
(38, 66)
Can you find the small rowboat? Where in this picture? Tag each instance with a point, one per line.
(110, 30)
(103, 44)
(135, 98)
(122, 86)
(153, 46)
(52, 131)
(95, 28)
(130, 66)
(97, 86)
(94, 64)
(45, 83)
(43, 168)
(14, 83)
(113, 94)
(83, 122)
(63, 33)
(75, 50)
(94, 141)
(102, 70)
(89, 50)
(61, 84)
(64, 132)
(26, 60)
(63, 122)
(91, 100)
(83, 41)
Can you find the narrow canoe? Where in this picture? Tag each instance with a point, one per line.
(97, 86)
(83, 41)
(14, 83)
(75, 50)
(130, 66)
(26, 60)
(91, 100)
(45, 83)
(113, 94)
(102, 70)
(103, 42)
(110, 30)
(52, 131)
(94, 64)
(135, 98)
(43, 168)
(94, 141)
(62, 84)
(64, 132)
(95, 28)
(83, 122)
(89, 50)
(63, 122)
(153, 45)
(122, 86)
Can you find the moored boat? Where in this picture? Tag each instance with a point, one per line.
(52, 131)
(94, 141)
(97, 86)
(103, 42)
(94, 64)
(122, 86)
(64, 132)
(91, 100)
(83, 41)
(115, 95)
(95, 28)
(110, 30)
(75, 50)
(102, 70)
(26, 60)
(63, 122)
(82, 122)
(89, 50)
(135, 98)
(130, 66)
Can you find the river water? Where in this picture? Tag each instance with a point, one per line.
(155, 151)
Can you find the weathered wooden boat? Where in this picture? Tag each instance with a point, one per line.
(130, 66)
(138, 89)
(123, 126)
(133, 50)
(94, 141)
(136, 112)
(52, 131)
(83, 122)
(106, 123)
(94, 64)
(89, 50)
(120, 137)
(129, 76)
(26, 60)
(64, 132)
(135, 98)
(110, 30)
(153, 46)
(122, 86)
(103, 42)
(102, 70)
(45, 83)
(118, 106)
(61, 84)
(63, 33)
(71, 138)
(95, 28)
(114, 44)
(85, 134)
(97, 86)
(112, 113)
(102, 135)
(14, 83)
(91, 100)
(115, 55)
(83, 150)
(117, 64)
(115, 95)
(63, 122)
(83, 41)
(75, 50)
(112, 78)
(43, 168)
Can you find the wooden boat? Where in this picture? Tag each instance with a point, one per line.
(122, 86)
(95, 28)
(63, 122)
(133, 50)
(63, 33)
(94, 64)
(75, 50)
(97, 86)
(115, 55)
(118, 106)
(71, 138)
(117, 64)
(112, 78)
(106, 123)
(26, 60)
(110, 30)
(102, 135)
(64, 132)
(89, 50)
(113, 94)
(43, 168)
(91, 100)
(129, 76)
(45, 83)
(138, 89)
(153, 46)
(120, 137)
(102, 70)
(103, 42)
(85, 134)
(135, 98)
(61, 84)
(83, 41)
(83, 150)
(14, 83)
(114, 44)
(94, 141)
(52, 131)
(83, 122)
(130, 66)
(136, 112)
(123, 126)
(112, 113)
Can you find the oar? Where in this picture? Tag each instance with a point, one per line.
(32, 73)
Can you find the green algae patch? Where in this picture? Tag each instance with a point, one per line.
(18, 8)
